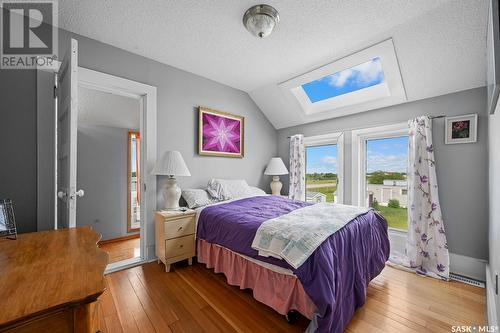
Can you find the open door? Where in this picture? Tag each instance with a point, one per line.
(67, 118)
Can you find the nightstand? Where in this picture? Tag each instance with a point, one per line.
(175, 236)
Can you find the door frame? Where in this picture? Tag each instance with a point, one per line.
(336, 138)
(147, 95)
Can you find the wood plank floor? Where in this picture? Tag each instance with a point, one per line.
(194, 299)
(122, 249)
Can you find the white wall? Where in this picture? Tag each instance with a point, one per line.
(494, 225)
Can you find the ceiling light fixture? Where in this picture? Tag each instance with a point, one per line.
(260, 20)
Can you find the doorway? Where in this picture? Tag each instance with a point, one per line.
(108, 170)
(138, 136)
(56, 94)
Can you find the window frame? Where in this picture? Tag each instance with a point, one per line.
(356, 101)
(129, 176)
(359, 140)
(336, 138)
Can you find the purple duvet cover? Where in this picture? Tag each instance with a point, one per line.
(335, 276)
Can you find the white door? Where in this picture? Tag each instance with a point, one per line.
(67, 117)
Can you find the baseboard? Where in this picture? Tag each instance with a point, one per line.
(468, 266)
(119, 239)
(490, 299)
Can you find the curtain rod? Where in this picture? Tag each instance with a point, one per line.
(384, 124)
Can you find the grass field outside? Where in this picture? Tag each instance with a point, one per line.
(328, 191)
(396, 217)
(320, 181)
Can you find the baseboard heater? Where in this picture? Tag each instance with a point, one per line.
(467, 280)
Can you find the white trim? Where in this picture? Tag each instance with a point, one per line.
(124, 264)
(337, 139)
(148, 127)
(490, 299)
(358, 147)
(390, 92)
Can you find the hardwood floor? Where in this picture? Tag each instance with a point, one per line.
(194, 299)
(122, 249)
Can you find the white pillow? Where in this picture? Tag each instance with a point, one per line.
(197, 198)
(255, 191)
(227, 189)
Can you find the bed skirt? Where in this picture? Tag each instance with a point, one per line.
(282, 292)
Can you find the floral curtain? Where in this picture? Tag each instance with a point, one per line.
(297, 189)
(426, 248)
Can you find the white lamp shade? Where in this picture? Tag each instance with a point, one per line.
(276, 167)
(171, 164)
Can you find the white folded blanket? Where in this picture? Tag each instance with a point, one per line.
(296, 235)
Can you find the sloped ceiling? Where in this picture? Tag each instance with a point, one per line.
(440, 44)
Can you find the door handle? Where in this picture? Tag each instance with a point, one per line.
(61, 194)
(80, 193)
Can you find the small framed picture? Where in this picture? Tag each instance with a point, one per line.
(461, 129)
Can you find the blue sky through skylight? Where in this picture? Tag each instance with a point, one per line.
(361, 76)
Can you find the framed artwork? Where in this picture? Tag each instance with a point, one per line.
(7, 221)
(220, 133)
(461, 129)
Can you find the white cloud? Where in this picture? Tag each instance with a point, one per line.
(339, 79)
(394, 163)
(361, 74)
(329, 160)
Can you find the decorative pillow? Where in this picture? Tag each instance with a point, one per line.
(226, 189)
(197, 198)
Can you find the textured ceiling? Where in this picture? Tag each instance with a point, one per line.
(104, 109)
(440, 43)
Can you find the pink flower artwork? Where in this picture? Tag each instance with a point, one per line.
(220, 134)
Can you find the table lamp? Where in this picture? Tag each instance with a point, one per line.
(171, 164)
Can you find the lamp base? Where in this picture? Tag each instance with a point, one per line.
(171, 194)
(276, 186)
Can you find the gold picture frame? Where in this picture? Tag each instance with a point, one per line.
(233, 146)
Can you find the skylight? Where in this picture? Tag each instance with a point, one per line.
(349, 80)
(365, 80)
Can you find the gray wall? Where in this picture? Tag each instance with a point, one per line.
(179, 93)
(494, 227)
(18, 150)
(461, 169)
(102, 172)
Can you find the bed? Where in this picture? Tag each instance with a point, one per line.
(326, 288)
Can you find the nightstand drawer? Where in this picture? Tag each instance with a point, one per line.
(179, 246)
(178, 228)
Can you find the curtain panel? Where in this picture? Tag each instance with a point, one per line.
(297, 189)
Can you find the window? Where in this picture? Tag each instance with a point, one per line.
(386, 184)
(321, 173)
(352, 79)
(380, 162)
(366, 80)
(324, 168)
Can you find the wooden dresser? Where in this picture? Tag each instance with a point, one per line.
(174, 233)
(51, 281)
